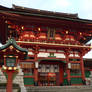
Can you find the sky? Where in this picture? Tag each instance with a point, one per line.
(82, 7)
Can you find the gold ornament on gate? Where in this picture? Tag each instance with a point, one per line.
(11, 47)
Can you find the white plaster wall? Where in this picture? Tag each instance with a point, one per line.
(30, 53)
(58, 55)
(51, 50)
(42, 50)
(76, 55)
(41, 54)
(71, 55)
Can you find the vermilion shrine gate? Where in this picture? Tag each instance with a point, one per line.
(55, 43)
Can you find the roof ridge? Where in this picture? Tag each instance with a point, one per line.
(44, 12)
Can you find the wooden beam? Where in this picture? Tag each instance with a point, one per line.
(54, 44)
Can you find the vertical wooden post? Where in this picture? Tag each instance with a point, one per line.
(67, 69)
(36, 69)
(3, 30)
(9, 82)
(82, 69)
(36, 72)
(36, 76)
(61, 74)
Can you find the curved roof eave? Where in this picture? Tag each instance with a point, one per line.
(13, 42)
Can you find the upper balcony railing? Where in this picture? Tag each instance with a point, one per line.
(57, 39)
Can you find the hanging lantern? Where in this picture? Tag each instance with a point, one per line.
(9, 26)
(39, 29)
(15, 68)
(22, 27)
(9, 68)
(66, 32)
(80, 33)
(4, 67)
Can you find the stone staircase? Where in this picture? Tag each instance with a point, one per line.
(54, 89)
(60, 89)
(3, 89)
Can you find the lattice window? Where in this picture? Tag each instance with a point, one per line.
(27, 65)
(48, 68)
(75, 66)
(75, 69)
(28, 71)
(56, 68)
(51, 33)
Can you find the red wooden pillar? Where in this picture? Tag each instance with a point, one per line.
(36, 69)
(36, 73)
(9, 82)
(36, 76)
(61, 74)
(67, 69)
(82, 69)
(3, 28)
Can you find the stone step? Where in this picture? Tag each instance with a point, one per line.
(60, 89)
(3, 89)
(54, 89)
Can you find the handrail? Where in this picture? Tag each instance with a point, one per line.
(54, 44)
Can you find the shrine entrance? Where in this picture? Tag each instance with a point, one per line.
(51, 73)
